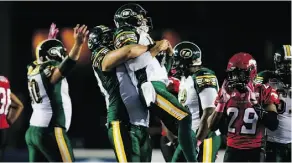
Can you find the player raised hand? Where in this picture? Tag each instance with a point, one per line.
(80, 34)
(251, 94)
(169, 50)
(53, 31)
(224, 94)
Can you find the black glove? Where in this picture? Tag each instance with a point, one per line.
(259, 110)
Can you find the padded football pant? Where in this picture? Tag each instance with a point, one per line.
(209, 148)
(48, 144)
(277, 152)
(242, 155)
(141, 144)
(173, 114)
(130, 144)
(120, 140)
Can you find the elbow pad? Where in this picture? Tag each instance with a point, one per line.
(270, 120)
(66, 66)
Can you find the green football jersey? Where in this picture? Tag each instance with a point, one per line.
(109, 86)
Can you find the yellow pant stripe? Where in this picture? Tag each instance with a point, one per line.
(288, 50)
(207, 150)
(63, 148)
(170, 108)
(118, 142)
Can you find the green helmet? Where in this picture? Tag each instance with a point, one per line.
(187, 54)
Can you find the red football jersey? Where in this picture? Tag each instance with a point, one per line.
(5, 101)
(173, 85)
(245, 130)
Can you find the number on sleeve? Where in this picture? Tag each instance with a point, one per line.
(34, 91)
(5, 100)
(250, 119)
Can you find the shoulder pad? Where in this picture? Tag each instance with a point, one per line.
(125, 35)
(206, 78)
(263, 77)
(268, 95)
(98, 55)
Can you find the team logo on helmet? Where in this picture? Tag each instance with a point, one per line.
(186, 53)
(55, 51)
(126, 13)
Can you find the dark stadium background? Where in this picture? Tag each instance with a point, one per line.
(219, 28)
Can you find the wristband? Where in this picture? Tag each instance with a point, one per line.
(150, 46)
(66, 66)
(220, 107)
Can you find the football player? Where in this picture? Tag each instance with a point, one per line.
(10, 109)
(198, 88)
(124, 107)
(46, 136)
(248, 108)
(150, 76)
(278, 146)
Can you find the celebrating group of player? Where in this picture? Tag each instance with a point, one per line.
(140, 77)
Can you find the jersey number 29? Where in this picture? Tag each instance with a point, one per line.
(5, 100)
(249, 119)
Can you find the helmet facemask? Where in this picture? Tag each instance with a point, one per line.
(238, 78)
(283, 70)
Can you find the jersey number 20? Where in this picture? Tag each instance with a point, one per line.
(249, 119)
(5, 100)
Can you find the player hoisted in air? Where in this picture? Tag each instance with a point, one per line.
(46, 136)
(278, 147)
(127, 118)
(149, 75)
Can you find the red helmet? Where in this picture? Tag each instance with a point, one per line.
(241, 69)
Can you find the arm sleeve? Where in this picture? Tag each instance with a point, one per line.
(168, 63)
(206, 79)
(124, 36)
(269, 95)
(98, 56)
(208, 97)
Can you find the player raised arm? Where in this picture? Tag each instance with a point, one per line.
(15, 110)
(121, 55)
(69, 62)
(222, 98)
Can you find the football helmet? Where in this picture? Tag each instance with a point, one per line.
(282, 60)
(134, 15)
(50, 49)
(187, 54)
(99, 35)
(241, 70)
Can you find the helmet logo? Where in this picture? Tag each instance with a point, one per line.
(55, 51)
(252, 62)
(126, 13)
(186, 53)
